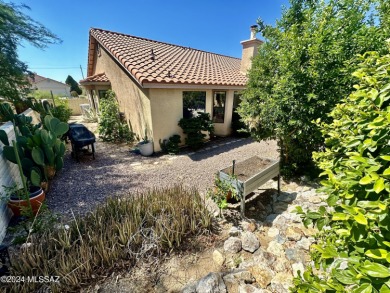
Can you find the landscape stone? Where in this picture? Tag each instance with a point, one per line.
(234, 231)
(262, 274)
(304, 243)
(233, 245)
(262, 256)
(211, 283)
(250, 242)
(190, 288)
(281, 265)
(272, 232)
(280, 207)
(280, 239)
(281, 282)
(247, 288)
(218, 257)
(275, 248)
(271, 218)
(248, 226)
(297, 267)
(287, 197)
(293, 233)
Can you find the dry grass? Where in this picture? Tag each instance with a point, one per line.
(124, 230)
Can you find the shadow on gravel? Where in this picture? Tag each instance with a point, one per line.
(219, 146)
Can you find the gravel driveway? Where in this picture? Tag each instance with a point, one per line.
(80, 187)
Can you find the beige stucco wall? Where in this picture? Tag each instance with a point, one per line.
(57, 88)
(224, 129)
(250, 49)
(133, 100)
(167, 110)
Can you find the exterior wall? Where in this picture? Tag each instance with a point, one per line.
(224, 129)
(9, 173)
(167, 110)
(52, 85)
(74, 105)
(133, 100)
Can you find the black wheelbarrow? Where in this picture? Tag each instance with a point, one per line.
(81, 138)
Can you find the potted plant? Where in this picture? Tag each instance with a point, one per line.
(31, 196)
(145, 146)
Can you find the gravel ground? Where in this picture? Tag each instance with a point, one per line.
(80, 187)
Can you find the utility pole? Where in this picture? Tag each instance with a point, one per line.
(82, 74)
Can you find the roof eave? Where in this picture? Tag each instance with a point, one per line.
(164, 85)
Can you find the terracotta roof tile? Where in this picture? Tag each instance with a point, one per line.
(151, 61)
(100, 77)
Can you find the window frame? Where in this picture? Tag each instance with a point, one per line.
(224, 107)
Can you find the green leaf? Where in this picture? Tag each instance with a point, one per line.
(386, 172)
(361, 219)
(35, 176)
(386, 158)
(38, 156)
(364, 288)
(365, 180)
(353, 143)
(377, 253)
(340, 217)
(4, 137)
(376, 270)
(384, 289)
(379, 185)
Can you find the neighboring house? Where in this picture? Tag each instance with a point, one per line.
(157, 84)
(47, 84)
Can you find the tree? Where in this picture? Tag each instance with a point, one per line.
(303, 68)
(74, 86)
(15, 27)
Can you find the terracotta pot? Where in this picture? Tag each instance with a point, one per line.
(37, 197)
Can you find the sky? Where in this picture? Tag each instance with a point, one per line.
(211, 25)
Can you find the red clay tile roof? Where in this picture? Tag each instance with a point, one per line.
(151, 61)
(100, 77)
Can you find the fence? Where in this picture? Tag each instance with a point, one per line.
(75, 103)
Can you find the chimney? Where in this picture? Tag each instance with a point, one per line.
(249, 50)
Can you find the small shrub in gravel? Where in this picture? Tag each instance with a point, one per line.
(116, 235)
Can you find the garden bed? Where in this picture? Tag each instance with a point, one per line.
(250, 175)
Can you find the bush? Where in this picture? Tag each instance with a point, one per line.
(117, 234)
(111, 127)
(354, 253)
(171, 145)
(194, 126)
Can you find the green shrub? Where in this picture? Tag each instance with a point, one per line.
(171, 145)
(116, 235)
(353, 255)
(194, 126)
(111, 127)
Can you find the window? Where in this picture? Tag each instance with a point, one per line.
(236, 100)
(219, 107)
(102, 94)
(193, 102)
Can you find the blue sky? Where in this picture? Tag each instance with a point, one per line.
(215, 26)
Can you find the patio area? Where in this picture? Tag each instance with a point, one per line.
(80, 187)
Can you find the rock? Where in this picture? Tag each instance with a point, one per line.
(190, 288)
(262, 274)
(233, 280)
(275, 248)
(250, 242)
(271, 218)
(297, 267)
(272, 232)
(286, 197)
(260, 206)
(262, 256)
(293, 233)
(246, 288)
(281, 265)
(248, 226)
(218, 257)
(304, 243)
(281, 283)
(212, 283)
(234, 231)
(280, 222)
(280, 207)
(252, 209)
(296, 255)
(280, 239)
(233, 245)
(315, 199)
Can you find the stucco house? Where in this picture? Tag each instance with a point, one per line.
(46, 84)
(157, 83)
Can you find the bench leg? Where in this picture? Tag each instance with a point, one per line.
(279, 184)
(93, 151)
(242, 205)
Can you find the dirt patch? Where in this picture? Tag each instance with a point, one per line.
(248, 168)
